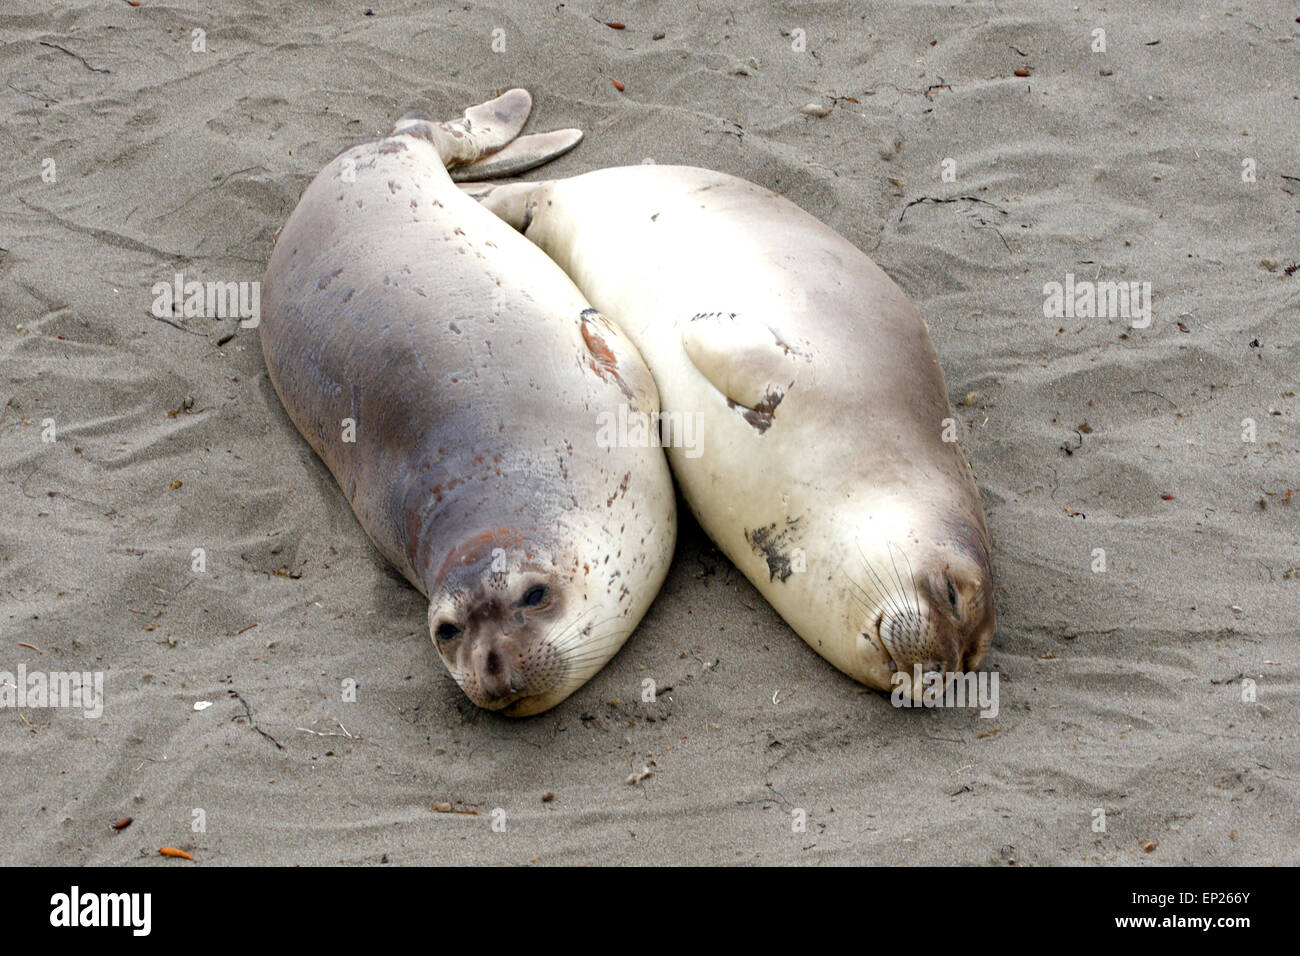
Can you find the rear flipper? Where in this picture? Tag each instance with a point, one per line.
(485, 143)
(523, 154)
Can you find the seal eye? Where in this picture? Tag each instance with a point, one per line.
(952, 597)
(534, 596)
(447, 631)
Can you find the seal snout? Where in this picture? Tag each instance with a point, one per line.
(499, 664)
(498, 674)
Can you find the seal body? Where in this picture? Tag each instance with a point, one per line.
(826, 465)
(453, 380)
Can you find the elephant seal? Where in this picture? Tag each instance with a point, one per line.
(829, 472)
(452, 378)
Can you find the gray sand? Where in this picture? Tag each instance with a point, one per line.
(1120, 691)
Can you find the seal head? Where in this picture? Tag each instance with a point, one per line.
(519, 633)
(927, 605)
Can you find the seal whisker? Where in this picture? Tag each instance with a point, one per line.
(916, 597)
(593, 643)
(572, 632)
(562, 625)
(916, 594)
(892, 600)
(596, 645)
(594, 639)
(867, 600)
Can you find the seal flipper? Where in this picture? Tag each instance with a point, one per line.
(485, 142)
(744, 360)
(488, 127)
(495, 123)
(613, 357)
(519, 156)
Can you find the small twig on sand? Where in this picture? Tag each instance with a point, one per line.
(78, 56)
(317, 733)
(985, 224)
(937, 199)
(248, 712)
(613, 121)
(176, 325)
(1147, 391)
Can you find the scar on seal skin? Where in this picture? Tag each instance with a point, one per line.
(774, 546)
(762, 414)
(603, 363)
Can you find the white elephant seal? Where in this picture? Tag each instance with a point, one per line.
(829, 470)
(452, 378)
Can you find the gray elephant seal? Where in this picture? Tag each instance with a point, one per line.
(452, 378)
(829, 471)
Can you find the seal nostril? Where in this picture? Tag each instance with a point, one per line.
(493, 663)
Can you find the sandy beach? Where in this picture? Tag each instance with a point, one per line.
(1137, 476)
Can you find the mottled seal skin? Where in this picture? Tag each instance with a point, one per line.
(471, 374)
(823, 470)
